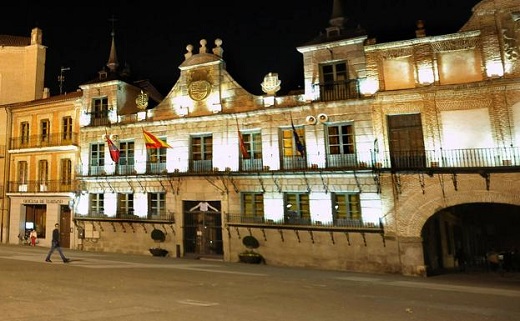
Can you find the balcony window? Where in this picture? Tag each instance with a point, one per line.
(201, 153)
(297, 210)
(253, 146)
(252, 208)
(340, 145)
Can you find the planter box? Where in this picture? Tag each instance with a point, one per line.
(251, 258)
(158, 252)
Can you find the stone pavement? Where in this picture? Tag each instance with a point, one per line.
(108, 286)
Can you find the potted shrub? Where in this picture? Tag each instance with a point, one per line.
(249, 255)
(158, 236)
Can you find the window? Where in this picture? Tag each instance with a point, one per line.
(346, 206)
(97, 203)
(297, 209)
(126, 150)
(252, 207)
(289, 143)
(100, 107)
(100, 112)
(334, 72)
(36, 214)
(24, 135)
(67, 128)
(44, 130)
(66, 172)
(43, 175)
(22, 176)
(335, 83)
(202, 147)
(157, 205)
(340, 139)
(202, 152)
(253, 145)
(125, 204)
(97, 158)
(156, 159)
(340, 145)
(293, 153)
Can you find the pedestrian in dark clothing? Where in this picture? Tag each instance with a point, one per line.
(461, 259)
(55, 245)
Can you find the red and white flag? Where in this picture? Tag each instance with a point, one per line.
(112, 148)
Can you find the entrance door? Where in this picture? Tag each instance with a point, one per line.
(65, 226)
(202, 228)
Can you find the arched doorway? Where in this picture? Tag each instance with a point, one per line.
(472, 229)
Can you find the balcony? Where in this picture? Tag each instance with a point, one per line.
(128, 216)
(42, 186)
(303, 223)
(99, 118)
(338, 90)
(40, 141)
(455, 160)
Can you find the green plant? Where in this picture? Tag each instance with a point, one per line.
(250, 242)
(158, 236)
(249, 255)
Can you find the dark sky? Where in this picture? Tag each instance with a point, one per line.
(258, 36)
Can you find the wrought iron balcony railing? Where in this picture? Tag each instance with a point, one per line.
(338, 90)
(128, 215)
(341, 223)
(424, 160)
(42, 186)
(39, 141)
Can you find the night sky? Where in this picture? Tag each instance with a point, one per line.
(258, 36)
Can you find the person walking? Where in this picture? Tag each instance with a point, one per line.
(56, 245)
(33, 235)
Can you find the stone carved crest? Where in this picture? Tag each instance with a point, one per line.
(199, 87)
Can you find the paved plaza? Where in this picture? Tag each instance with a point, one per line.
(107, 286)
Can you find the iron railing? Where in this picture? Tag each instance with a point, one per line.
(343, 223)
(127, 215)
(338, 90)
(425, 160)
(41, 186)
(39, 141)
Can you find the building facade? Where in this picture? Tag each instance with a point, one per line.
(377, 166)
(22, 71)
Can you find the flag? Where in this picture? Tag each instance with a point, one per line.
(112, 148)
(151, 141)
(243, 148)
(299, 145)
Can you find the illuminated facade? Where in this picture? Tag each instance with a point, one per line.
(22, 69)
(346, 175)
(43, 152)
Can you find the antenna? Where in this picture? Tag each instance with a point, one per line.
(61, 78)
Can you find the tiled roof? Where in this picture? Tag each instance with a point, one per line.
(14, 41)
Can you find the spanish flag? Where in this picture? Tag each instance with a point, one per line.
(151, 141)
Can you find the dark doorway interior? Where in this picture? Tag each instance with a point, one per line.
(202, 228)
(473, 229)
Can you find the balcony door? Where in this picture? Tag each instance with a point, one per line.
(406, 141)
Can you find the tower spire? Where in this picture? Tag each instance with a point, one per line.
(112, 63)
(337, 19)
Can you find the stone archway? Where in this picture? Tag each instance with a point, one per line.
(415, 206)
